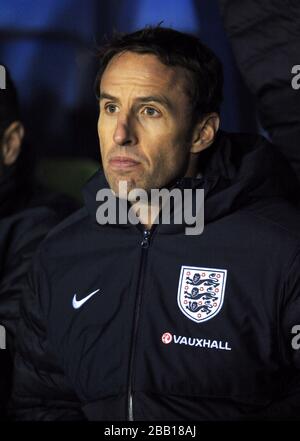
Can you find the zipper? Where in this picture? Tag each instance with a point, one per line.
(145, 243)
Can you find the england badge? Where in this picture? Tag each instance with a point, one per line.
(201, 292)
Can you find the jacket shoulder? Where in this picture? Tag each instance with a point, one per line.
(277, 214)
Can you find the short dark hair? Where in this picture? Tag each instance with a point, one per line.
(9, 106)
(174, 48)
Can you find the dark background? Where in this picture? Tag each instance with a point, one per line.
(50, 48)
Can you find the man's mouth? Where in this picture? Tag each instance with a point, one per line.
(123, 163)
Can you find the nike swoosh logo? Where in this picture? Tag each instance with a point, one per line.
(78, 303)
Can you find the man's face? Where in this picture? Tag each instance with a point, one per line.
(144, 122)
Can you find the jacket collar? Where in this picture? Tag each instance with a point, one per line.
(236, 171)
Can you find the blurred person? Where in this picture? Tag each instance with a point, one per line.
(27, 213)
(265, 38)
(143, 321)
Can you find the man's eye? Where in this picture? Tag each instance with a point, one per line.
(150, 111)
(111, 108)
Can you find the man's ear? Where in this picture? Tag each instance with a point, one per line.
(205, 132)
(12, 142)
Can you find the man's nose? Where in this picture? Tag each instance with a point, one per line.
(124, 133)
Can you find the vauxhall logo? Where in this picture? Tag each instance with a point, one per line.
(168, 338)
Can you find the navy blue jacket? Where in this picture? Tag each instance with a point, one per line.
(171, 326)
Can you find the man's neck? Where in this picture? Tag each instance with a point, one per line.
(148, 211)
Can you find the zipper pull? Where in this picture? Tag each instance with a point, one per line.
(130, 408)
(146, 239)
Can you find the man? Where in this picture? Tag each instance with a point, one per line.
(146, 322)
(26, 216)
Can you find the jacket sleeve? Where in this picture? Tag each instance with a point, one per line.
(40, 389)
(287, 405)
(26, 233)
(21, 234)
